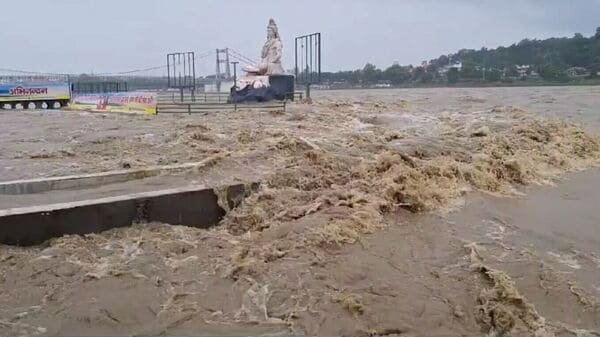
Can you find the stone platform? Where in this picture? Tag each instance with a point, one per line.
(91, 203)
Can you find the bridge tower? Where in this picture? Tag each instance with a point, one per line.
(222, 58)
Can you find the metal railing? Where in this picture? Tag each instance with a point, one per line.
(194, 102)
(197, 107)
(98, 87)
(213, 97)
(218, 97)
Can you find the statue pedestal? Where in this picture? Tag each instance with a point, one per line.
(263, 88)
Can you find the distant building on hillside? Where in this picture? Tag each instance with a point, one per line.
(340, 85)
(523, 69)
(384, 84)
(534, 75)
(324, 86)
(446, 68)
(576, 72)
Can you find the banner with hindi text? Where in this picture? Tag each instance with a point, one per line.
(127, 102)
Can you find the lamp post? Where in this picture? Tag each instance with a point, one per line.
(235, 73)
(234, 85)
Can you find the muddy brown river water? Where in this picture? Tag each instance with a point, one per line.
(423, 212)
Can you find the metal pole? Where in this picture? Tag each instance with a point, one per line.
(227, 69)
(185, 70)
(168, 70)
(302, 60)
(179, 77)
(218, 73)
(311, 60)
(296, 58)
(319, 51)
(194, 76)
(234, 85)
(234, 74)
(306, 59)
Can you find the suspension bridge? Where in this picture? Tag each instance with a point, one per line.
(147, 77)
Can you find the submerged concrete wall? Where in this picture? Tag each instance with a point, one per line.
(190, 206)
(31, 186)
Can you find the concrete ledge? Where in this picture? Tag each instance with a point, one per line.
(190, 206)
(31, 186)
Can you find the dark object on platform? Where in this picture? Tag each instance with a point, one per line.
(250, 94)
(281, 87)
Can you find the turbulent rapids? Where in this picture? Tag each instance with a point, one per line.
(308, 252)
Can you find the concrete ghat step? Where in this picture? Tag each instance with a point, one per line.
(195, 206)
(30, 186)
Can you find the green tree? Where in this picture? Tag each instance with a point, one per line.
(427, 77)
(397, 74)
(443, 61)
(417, 74)
(371, 74)
(512, 71)
(552, 72)
(453, 75)
(594, 69)
(549, 57)
(493, 75)
(469, 70)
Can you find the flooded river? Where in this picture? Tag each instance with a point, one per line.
(421, 212)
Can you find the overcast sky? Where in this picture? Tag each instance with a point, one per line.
(119, 35)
